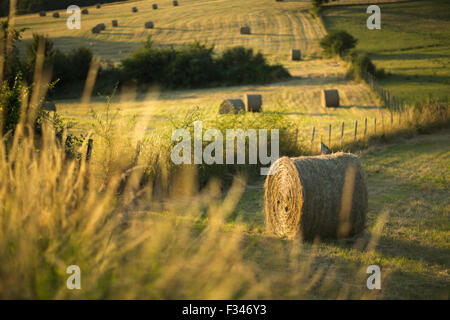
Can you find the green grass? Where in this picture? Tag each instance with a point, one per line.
(408, 184)
(413, 44)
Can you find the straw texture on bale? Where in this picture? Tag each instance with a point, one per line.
(316, 197)
(253, 102)
(231, 106)
(85, 11)
(330, 98)
(56, 15)
(149, 25)
(296, 55)
(134, 9)
(115, 23)
(245, 30)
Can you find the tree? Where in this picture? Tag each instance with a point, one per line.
(338, 42)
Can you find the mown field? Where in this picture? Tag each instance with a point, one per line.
(413, 44)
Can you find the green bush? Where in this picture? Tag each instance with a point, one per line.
(337, 43)
(360, 65)
(10, 103)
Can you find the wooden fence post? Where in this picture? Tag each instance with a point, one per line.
(342, 134)
(356, 130)
(89, 150)
(392, 119)
(375, 126)
(365, 127)
(312, 138)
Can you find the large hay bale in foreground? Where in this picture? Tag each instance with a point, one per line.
(330, 98)
(296, 55)
(231, 106)
(149, 25)
(245, 30)
(134, 9)
(115, 23)
(316, 197)
(253, 102)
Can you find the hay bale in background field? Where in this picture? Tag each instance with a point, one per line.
(316, 197)
(134, 9)
(155, 6)
(85, 11)
(115, 23)
(102, 26)
(55, 15)
(231, 106)
(175, 3)
(149, 25)
(296, 55)
(245, 30)
(96, 29)
(330, 98)
(253, 102)
(98, 6)
(42, 13)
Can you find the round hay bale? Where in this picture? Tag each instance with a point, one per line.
(55, 15)
(49, 106)
(85, 11)
(175, 3)
(296, 55)
(253, 102)
(231, 106)
(330, 98)
(134, 9)
(149, 25)
(245, 30)
(115, 23)
(96, 29)
(155, 6)
(102, 26)
(42, 13)
(98, 6)
(316, 197)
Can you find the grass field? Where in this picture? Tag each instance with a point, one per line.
(413, 44)
(408, 191)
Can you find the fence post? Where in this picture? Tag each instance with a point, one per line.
(392, 119)
(356, 130)
(329, 136)
(342, 134)
(365, 127)
(89, 150)
(389, 99)
(375, 126)
(382, 120)
(312, 138)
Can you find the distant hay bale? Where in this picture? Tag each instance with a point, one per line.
(98, 6)
(155, 6)
(85, 11)
(115, 23)
(231, 106)
(55, 15)
(149, 25)
(330, 98)
(96, 29)
(316, 197)
(175, 3)
(49, 106)
(296, 55)
(102, 26)
(134, 9)
(245, 30)
(42, 13)
(253, 102)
